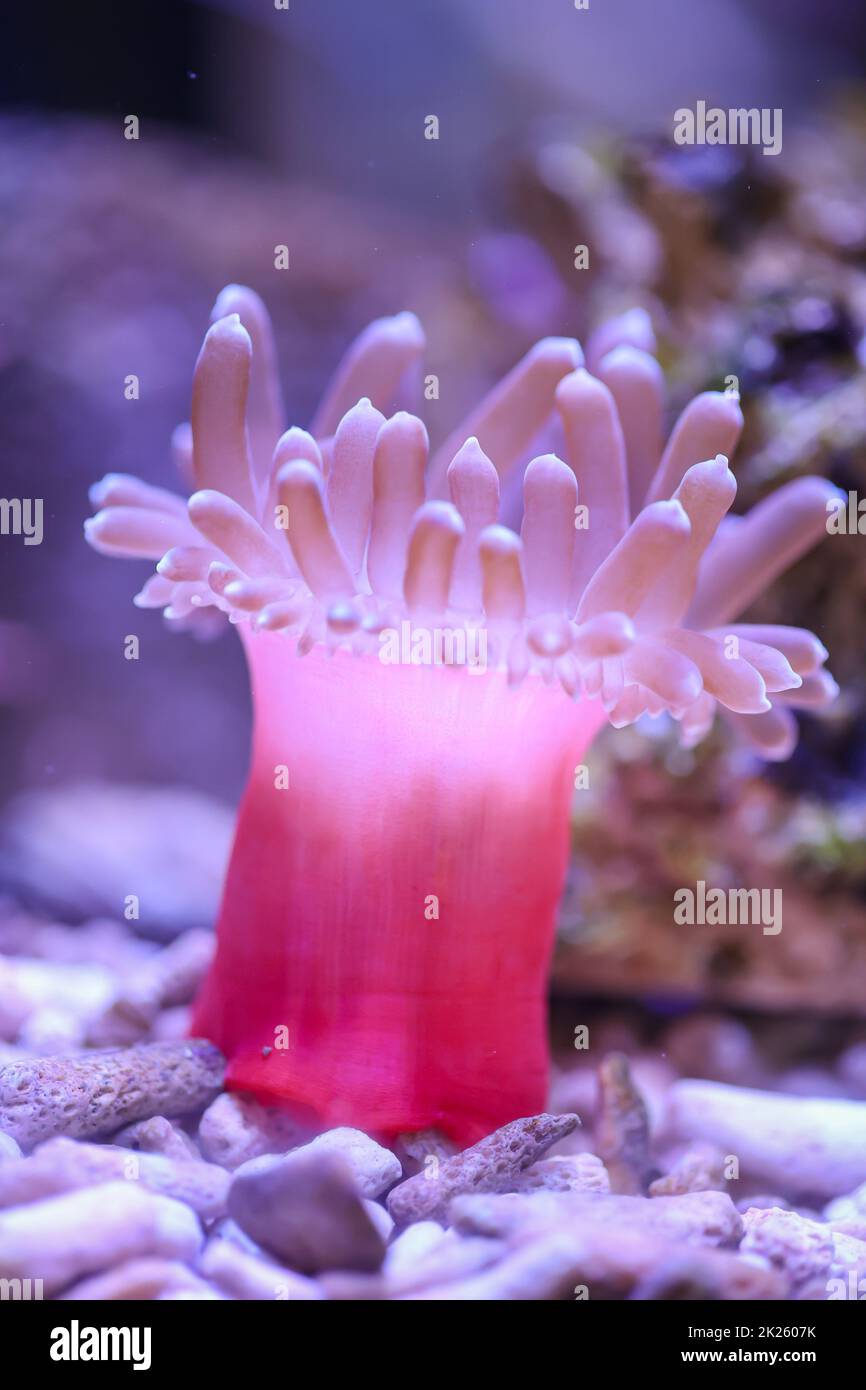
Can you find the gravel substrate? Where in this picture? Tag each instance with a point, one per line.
(130, 1175)
(128, 1172)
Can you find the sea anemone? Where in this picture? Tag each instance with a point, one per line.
(388, 913)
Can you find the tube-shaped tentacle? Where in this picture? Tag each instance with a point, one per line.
(706, 493)
(182, 455)
(220, 575)
(772, 734)
(709, 425)
(374, 366)
(731, 679)
(123, 490)
(251, 595)
(314, 546)
(595, 451)
(610, 634)
(630, 706)
(265, 409)
(770, 663)
(504, 594)
(219, 400)
(801, 648)
(185, 562)
(549, 636)
(296, 444)
(274, 617)
(185, 599)
(631, 329)
(398, 491)
(508, 419)
(612, 682)
(622, 581)
(549, 500)
(474, 487)
(774, 534)
(696, 720)
(636, 383)
(228, 526)
(350, 480)
(156, 592)
(433, 541)
(137, 531)
(672, 675)
(817, 689)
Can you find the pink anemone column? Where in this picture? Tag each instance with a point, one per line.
(389, 914)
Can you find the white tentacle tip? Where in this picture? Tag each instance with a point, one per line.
(230, 295)
(670, 514)
(441, 516)
(202, 498)
(228, 335)
(558, 352)
(723, 403)
(409, 327)
(499, 540)
(580, 385)
(638, 361)
(98, 492)
(299, 473)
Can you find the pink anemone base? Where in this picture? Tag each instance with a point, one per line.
(387, 919)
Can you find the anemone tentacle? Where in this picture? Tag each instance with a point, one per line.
(334, 534)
